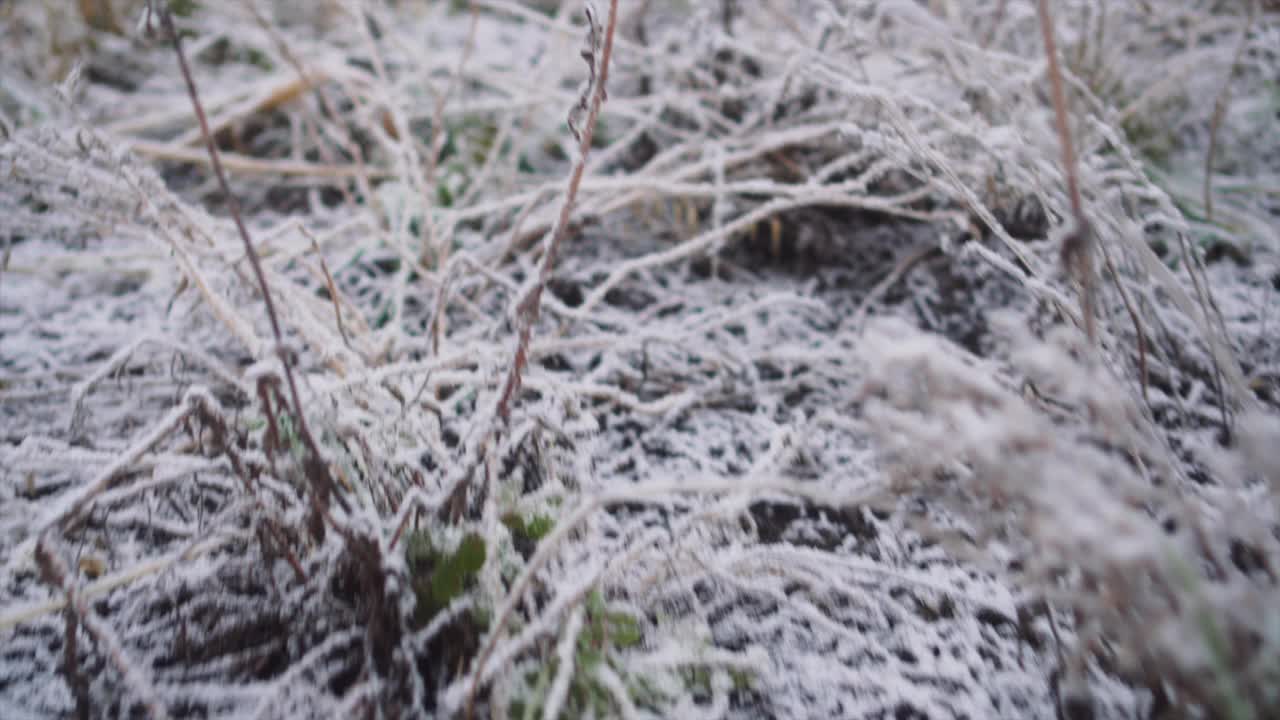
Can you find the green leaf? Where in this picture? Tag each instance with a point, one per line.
(539, 526)
(383, 318)
(697, 679)
(470, 555)
(438, 579)
(444, 198)
(455, 571)
(624, 630)
(533, 530)
(183, 8)
(589, 660)
(418, 551)
(514, 523)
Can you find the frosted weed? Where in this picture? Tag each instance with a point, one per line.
(755, 388)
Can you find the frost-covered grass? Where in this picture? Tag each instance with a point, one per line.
(810, 424)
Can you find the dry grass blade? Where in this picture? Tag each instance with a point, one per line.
(1220, 108)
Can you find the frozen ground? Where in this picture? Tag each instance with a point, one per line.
(810, 427)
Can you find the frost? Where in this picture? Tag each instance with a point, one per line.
(808, 426)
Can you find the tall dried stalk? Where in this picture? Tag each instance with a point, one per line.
(1077, 246)
(316, 469)
(597, 55)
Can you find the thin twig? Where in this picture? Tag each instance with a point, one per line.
(901, 269)
(54, 571)
(1134, 318)
(69, 506)
(437, 112)
(996, 19)
(331, 286)
(1203, 294)
(362, 175)
(440, 247)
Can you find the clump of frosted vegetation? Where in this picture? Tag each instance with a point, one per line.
(810, 424)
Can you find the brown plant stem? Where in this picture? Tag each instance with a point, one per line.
(1077, 246)
(530, 306)
(316, 469)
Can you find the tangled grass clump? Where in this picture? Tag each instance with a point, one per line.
(788, 358)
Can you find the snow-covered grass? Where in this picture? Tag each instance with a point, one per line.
(810, 424)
